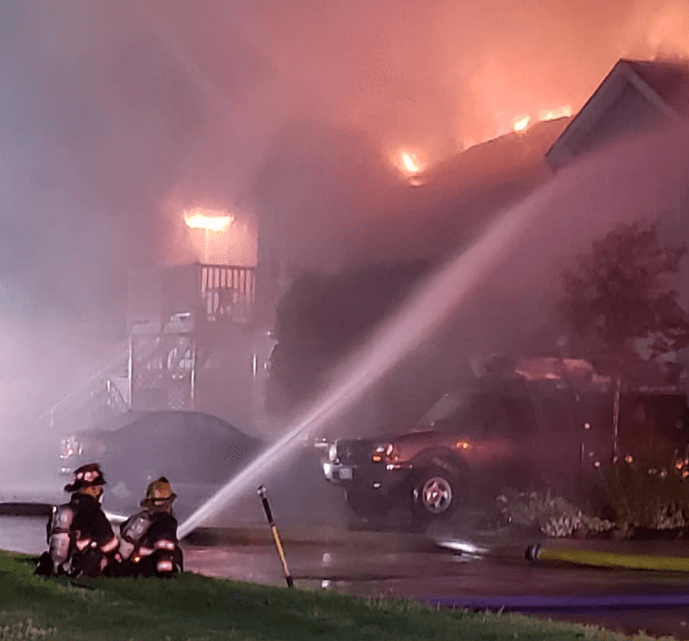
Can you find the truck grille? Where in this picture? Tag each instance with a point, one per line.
(355, 452)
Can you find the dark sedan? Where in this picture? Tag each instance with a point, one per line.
(197, 452)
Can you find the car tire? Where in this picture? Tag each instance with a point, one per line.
(435, 494)
(365, 504)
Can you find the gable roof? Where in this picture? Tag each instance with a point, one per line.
(669, 80)
(636, 95)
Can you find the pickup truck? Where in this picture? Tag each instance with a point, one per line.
(519, 435)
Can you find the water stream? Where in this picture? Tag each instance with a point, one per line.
(423, 312)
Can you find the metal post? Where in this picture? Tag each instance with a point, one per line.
(130, 373)
(276, 537)
(616, 418)
(582, 462)
(192, 382)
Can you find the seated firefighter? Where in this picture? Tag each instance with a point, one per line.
(148, 539)
(81, 541)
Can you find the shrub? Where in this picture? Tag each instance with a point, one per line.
(552, 515)
(641, 496)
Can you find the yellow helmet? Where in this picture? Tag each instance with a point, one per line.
(159, 494)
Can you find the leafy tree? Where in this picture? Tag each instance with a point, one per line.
(620, 294)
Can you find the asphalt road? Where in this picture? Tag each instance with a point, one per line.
(415, 569)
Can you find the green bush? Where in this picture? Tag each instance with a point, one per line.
(640, 496)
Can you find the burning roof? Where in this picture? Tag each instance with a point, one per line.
(461, 194)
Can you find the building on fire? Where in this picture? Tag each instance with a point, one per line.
(197, 334)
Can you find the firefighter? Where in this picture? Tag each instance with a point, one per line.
(148, 539)
(81, 541)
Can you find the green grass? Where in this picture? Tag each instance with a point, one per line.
(193, 607)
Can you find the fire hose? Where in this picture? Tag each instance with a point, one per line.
(593, 558)
(566, 602)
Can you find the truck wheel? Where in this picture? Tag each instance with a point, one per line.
(366, 504)
(434, 494)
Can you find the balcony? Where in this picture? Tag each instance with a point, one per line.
(181, 299)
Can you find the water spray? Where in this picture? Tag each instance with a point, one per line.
(463, 547)
(424, 312)
(276, 537)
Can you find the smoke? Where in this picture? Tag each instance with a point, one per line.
(116, 112)
(658, 30)
(96, 120)
(513, 308)
(642, 179)
(117, 116)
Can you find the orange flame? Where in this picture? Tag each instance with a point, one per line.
(409, 162)
(563, 111)
(208, 219)
(521, 123)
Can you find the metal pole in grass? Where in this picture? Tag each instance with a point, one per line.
(276, 537)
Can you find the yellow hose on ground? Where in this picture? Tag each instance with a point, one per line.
(609, 559)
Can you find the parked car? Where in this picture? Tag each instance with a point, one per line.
(197, 452)
(521, 434)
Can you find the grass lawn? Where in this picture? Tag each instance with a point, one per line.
(201, 608)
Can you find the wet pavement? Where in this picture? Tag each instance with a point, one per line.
(394, 565)
(436, 576)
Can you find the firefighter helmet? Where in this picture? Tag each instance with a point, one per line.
(159, 494)
(85, 476)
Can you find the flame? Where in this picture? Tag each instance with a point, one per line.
(207, 219)
(563, 111)
(409, 162)
(521, 123)
(411, 165)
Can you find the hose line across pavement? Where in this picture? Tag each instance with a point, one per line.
(595, 558)
(568, 603)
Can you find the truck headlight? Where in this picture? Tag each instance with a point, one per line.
(384, 450)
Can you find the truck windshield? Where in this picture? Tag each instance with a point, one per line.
(486, 414)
